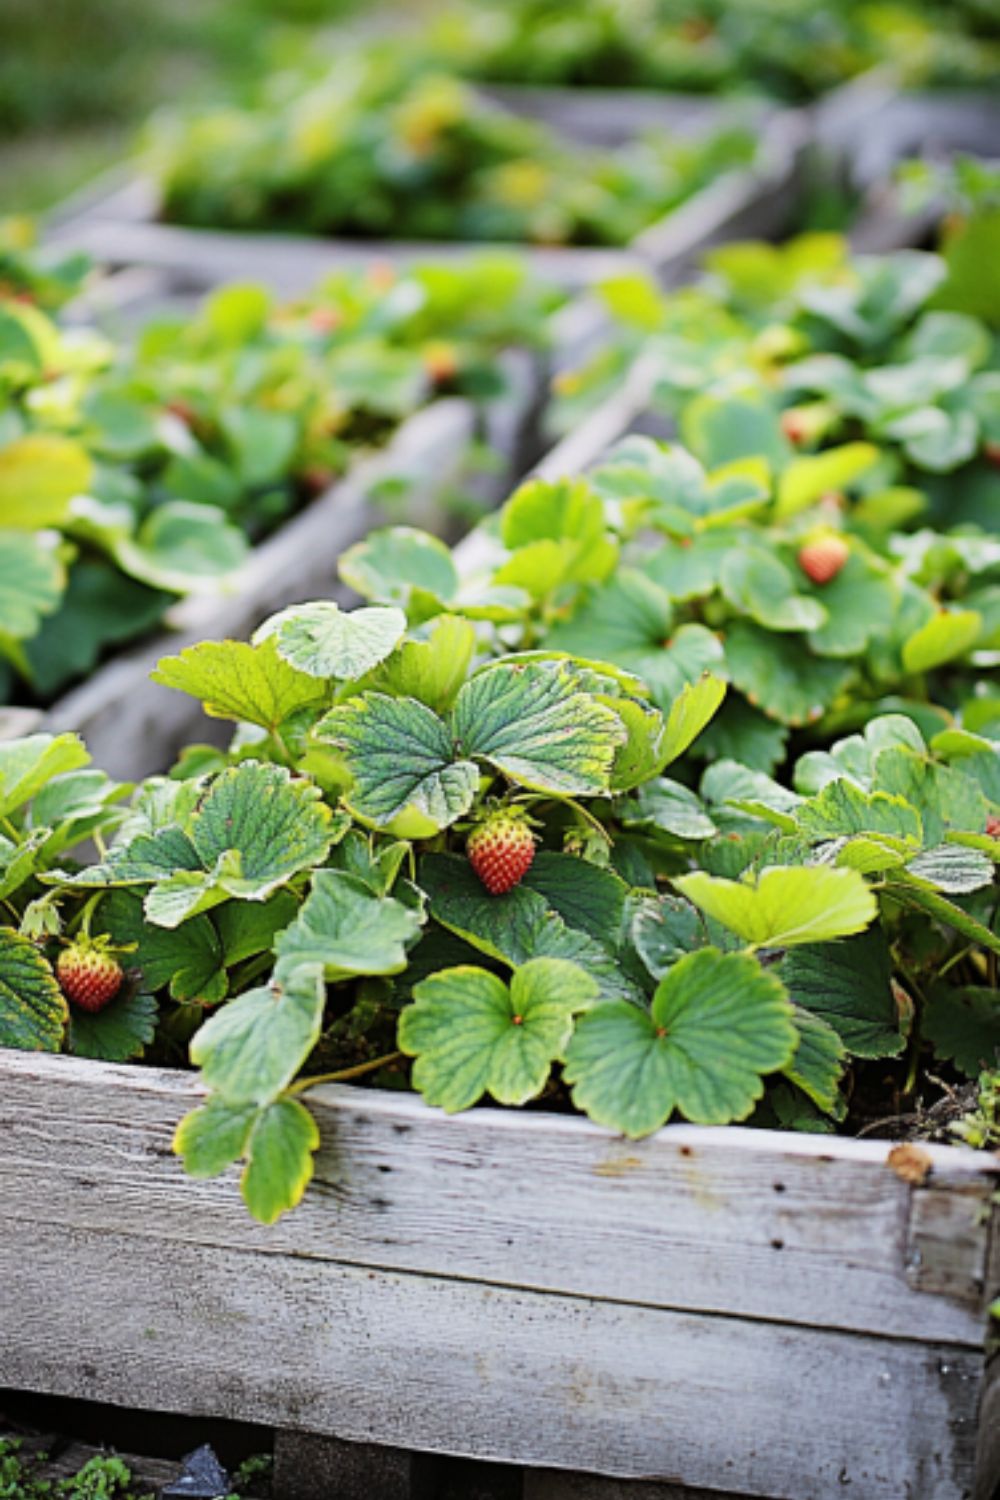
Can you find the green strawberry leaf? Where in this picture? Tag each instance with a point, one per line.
(190, 961)
(40, 475)
(212, 1137)
(756, 583)
(323, 640)
(253, 1047)
(519, 925)
(780, 678)
(279, 1152)
(946, 635)
(849, 985)
(530, 723)
(963, 1026)
(32, 584)
(431, 670)
(394, 563)
(692, 709)
(843, 809)
(808, 479)
(818, 1064)
(718, 1023)
(33, 1009)
(28, 765)
(587, 897)
(471, 1034)
(345, 928)
(118, 1033)
(235, 680)
(401, 758)
(664, 930)
(786, 905)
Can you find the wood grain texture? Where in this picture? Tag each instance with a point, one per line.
(491, 1372)
(794, 1229)
(133, 726)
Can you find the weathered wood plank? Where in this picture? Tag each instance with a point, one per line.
(745, 1223)
(488, 1372)
(553, 1484)
(133, 726)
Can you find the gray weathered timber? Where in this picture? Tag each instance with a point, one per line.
(133, 726)
(721, 1308)
(759, 1226)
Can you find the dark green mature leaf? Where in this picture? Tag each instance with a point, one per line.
(963, 1025)
(189, 960)
(915, 893)
(347, 929)
(515, 927)
(848, 984)
(818, 1064)
(401, 758)
(587, 897)
(533, 725)
(664, 930)
(779, 678)
(471, 1034)
(119, 1032)
(33, 1009)
(718, 1023)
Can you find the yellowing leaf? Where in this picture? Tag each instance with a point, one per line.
(786, 905)
(39, 476)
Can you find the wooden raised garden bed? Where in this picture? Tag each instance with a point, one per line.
(116, 221)
(789, 1316)
(131, 725)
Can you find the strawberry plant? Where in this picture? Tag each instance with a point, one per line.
(782, 351)
(512, 835)
(129, 476)
(380, 147)
(710, 46)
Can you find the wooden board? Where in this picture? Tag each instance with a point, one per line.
(728, 1221)
(430, 1363)
(712, 1307)
(120, 229)
(133, 726)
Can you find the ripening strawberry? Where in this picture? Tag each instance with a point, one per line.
(794, 426)
(89, 974)
(501, 849)
(993, 826)
(991, 453)
(821, 560)
(440, 361)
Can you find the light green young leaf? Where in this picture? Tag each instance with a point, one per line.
(235, 680)
(32, 584)
(718, 1024)
(946, 635)
(28, 765)
(471, 1034)
(806, 480)
(786, 905)
(40, 474)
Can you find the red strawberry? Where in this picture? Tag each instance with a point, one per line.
(501, 849)
(993, 826)
(794, 426)
(822, 559)
(88, 972)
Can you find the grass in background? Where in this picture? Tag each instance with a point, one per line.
(77, 79)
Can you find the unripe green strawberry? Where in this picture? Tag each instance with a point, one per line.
(822, 559)
(89, 974)
(501, 849)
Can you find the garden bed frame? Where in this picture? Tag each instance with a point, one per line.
(114, 220)
(133, 726)
(737, 1310)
